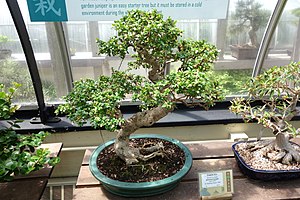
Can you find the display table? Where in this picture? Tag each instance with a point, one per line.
(207, 156)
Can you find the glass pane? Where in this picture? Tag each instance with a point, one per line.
(232, 36)
(285, 45)
(48, 54)
(13, 67)
(245, 26)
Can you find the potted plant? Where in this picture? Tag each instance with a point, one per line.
(278, 91)
(250, 16)
(19, 154)
(4, 53)
(156, 44)
(72, 51)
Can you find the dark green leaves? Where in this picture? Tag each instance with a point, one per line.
(6, 107)
(99, 100)
(156, 43)
(18, 154)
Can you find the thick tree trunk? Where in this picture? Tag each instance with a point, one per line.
(287, 151)
(146, 118)
(253, 38)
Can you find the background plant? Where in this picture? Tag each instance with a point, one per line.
(3, 40)
(156, 43)
(12, 72)
(233, 81)
(249, 16)
(18, 153)
(278, 89)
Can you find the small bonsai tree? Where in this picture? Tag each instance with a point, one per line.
(3, 40)
(278, 89)
(4, 53)
(156, 43)
(250, 16)
(18, 153)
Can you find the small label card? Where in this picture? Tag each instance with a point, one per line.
(216, 184)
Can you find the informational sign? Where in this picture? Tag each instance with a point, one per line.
(110, 10)
(212, 180)
(215, 184)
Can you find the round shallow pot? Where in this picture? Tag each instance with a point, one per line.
(145, 188)
(265, 175)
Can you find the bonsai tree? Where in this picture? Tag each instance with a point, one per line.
(3, 39)
(156, 44)
(250, 16)
(278, 90)
(4, 53)
(18, 153)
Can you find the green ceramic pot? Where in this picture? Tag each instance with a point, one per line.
(145, 188)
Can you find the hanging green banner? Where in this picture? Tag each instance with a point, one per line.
(47, 10)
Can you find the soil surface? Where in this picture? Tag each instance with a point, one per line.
(256, 160)
(145, 171)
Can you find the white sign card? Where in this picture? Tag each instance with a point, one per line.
(212, 180)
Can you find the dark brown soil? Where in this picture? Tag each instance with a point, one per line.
(256, 160)
(145, 171)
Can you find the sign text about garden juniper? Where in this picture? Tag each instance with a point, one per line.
(109, 10)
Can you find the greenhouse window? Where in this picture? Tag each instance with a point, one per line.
(67, 51)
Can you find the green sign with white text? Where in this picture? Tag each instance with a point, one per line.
(47, 10)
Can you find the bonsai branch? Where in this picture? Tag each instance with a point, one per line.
(156, 73)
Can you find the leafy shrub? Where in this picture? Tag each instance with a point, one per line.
(18, 153)
(12, 72)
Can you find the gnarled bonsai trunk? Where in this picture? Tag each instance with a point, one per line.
(287, 151)
(146, 118)
(253, 37)
(280, 149)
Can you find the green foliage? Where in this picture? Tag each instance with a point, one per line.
(99, 100)
(5, 101)
(142, 31)
(156, 43)
(3, 39)
(278, 88)
(12, 72)
(296, 12)
(234, 81)
(18, 153)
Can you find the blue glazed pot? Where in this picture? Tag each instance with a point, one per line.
(265, 175)
(127, 189)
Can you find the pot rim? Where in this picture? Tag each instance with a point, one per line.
(129, 185)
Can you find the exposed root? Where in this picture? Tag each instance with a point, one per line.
(259, 145)
(280, 152)
(132, 155)
(150, 156)
(284, 155)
